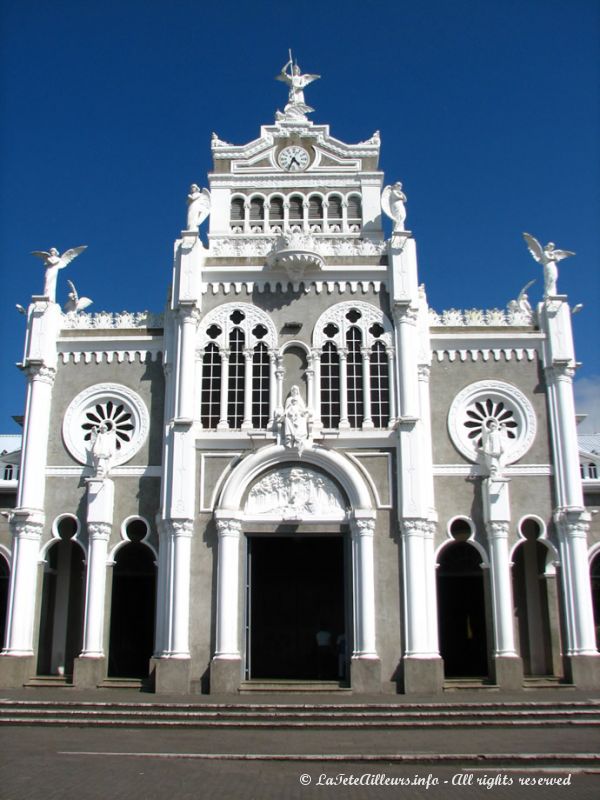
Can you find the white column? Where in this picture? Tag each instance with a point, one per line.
(420, 608)
(390, 352)
(363, 569)
(316, 397)
(177, 535)
(279, 373)
(501, 587)
(366, 379)
(579, 613)
(32, 480)
(566, 449)
(227, 635)
(162, 586)
(93, 630)
(187, 321)
(223, 423)
(27, 532)
(247, 421)
(272, 387)
(406, 317)
(343, 355)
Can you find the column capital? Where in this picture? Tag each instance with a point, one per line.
(180, 527)
(424, 372)
(418, 526)
(342, 353)
(189, 314)
(366, 352)
(99, 531)
(497, 529)
(574, 523)
(248, 353)
(40, 372)
(561, 371)
(228, 526)
(363, 526)
(316, 353)
(224, 352)
(403, 312)
(27, 525)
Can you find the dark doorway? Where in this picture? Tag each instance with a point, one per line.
(595, 578)
(297, 608)
(61, 620)
(4, 580)
(132, 612)
(531, 602)
(461, 612)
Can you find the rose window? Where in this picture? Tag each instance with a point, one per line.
(115, 417)
(477, 405)
(480, 414)
(118, 408)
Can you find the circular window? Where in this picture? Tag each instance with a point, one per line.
(473, 410)
(116, 407)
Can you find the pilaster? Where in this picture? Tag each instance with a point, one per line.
(226, 665)
(365, 665)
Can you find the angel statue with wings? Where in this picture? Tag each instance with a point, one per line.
(392, 203)
(198, 207)
(75, 303)
(296, 82)
(53, 262)
(548, 256)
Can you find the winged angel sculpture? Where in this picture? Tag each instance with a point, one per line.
(548, 256)
(296, 82)
(75, 303)
(392, 202)
(53, 262)
(198, 207)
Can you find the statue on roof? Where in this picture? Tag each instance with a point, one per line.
(548, 256)
(393, 202)
(198, 201)
(53, 262)
(296, 81)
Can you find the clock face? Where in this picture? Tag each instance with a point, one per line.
(293, 158)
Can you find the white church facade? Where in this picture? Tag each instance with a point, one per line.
(299, 473)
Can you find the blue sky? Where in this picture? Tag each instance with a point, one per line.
(489, 112)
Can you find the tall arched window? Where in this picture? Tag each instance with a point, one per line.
(362, 380)
(237, 342)
(330, 386)
(315, 208)
(296, 212)
(211, 382)
(276, 211)
(237, 370)
(380, 386)
(334, 213)
(354, 373)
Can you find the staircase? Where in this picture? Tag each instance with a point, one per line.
(308, 716)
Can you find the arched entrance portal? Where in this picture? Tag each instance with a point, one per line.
(61, 620)
(461, 611)
(275, 500)
(296, 607)
(132, 607)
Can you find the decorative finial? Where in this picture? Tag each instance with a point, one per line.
(296, 81)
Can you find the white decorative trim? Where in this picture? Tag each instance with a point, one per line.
(485, 354)
(84, 402)
(106, 319)
(262, 245)
(274, 285)
(475, 470)
(295, 493)
(516, 408)
(337, 315)
(108, 356)
(115, 472)
(253, 316)
(475, 317)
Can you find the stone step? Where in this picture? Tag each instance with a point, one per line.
(299, 716)
(121, 683)
(292, 686)
(44, 681)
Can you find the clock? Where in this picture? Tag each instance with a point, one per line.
(293, 158)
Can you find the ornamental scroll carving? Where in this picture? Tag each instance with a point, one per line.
(295, 493)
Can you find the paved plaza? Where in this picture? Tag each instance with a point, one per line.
(48, 762)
